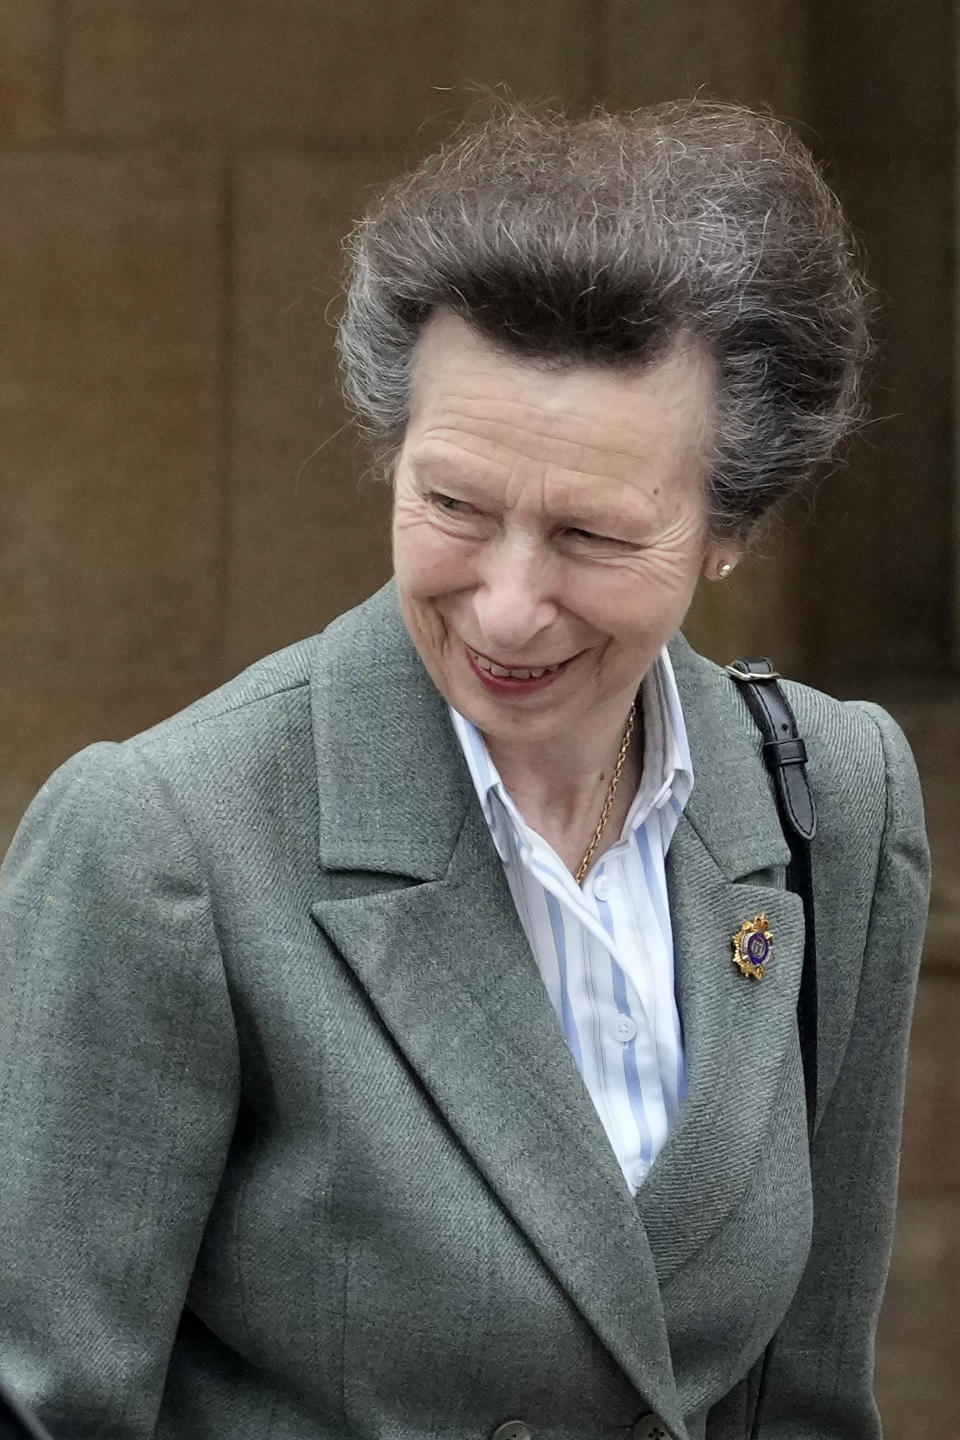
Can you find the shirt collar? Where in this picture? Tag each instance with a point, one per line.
(667, 777)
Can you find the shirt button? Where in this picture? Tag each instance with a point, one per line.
(638, 1173)
(649, 1427)
(601, 887)
(624, 1028)
(511, 1430)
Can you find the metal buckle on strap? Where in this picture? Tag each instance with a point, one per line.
(761, 675)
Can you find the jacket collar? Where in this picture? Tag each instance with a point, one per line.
(394, 788)
(730, 807)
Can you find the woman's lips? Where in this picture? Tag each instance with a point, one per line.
(520, 680)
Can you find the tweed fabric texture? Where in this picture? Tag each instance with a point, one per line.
(291, 1143)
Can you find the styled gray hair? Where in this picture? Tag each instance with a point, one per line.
(601, 241)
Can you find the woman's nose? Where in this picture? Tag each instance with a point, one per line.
(513, 601)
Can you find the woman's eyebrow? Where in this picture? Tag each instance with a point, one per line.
(434, 470)
(600, 522)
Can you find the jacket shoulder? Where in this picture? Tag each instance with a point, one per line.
(238, 756)
(228, 754)
(861, 768)
(246, 713)
(247, 705)
(851, 744)
(274, 679)
(858, 753)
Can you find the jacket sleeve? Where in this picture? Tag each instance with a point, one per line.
(817, 1383)
(118, 1079)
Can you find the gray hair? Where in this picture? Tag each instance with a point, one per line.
(601, 241)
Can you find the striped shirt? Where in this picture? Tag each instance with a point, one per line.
(605, 952)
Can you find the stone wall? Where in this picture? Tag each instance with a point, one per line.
(180, 492)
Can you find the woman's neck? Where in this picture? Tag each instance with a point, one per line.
(560, 789)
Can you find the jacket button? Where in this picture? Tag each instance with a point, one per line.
(649, 1427)
(512, 1430)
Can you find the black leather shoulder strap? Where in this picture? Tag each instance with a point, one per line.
(785, 755)
(783, 749)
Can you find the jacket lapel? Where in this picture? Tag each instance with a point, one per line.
(737, 1033)
(448, 969)
(726, 865)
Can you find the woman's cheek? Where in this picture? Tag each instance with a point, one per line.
(439, 564)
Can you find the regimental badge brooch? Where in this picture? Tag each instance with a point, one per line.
(753, 947)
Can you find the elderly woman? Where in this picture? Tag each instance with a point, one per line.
(373, 1059)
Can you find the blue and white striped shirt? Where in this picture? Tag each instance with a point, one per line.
(605, 951)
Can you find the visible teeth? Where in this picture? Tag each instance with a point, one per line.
(502, 673)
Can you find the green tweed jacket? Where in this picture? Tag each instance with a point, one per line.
(292, 1147)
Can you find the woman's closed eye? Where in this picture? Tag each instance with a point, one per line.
(593, 537)
(454, 508)
(450, 505)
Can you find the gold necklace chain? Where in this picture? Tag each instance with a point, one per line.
(608, 802)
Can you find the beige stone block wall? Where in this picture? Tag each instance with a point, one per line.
(29, 69)
(918, 1353)
(918, 1356)
(724, 49)
(917, 1388)
(881, 101)
(110, 551)
(179, 491)
(932, 725)
(309, 535)
(364, 74)
(931, 1142)
(293, 107)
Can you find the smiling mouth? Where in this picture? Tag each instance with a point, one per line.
(520, 672)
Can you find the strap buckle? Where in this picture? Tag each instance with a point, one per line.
(739, 671)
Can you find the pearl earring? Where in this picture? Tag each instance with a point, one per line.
(725, 569)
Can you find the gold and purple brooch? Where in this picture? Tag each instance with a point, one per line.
(753, 947)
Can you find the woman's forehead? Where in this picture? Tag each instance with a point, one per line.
(475, 407)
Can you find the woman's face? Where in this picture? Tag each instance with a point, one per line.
(548, 521)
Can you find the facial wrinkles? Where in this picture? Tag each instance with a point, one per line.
(501, 443)
(655, 506)
(550, 409)
(577, 451)
(573, 471)
(536, 511)
(544, 461)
